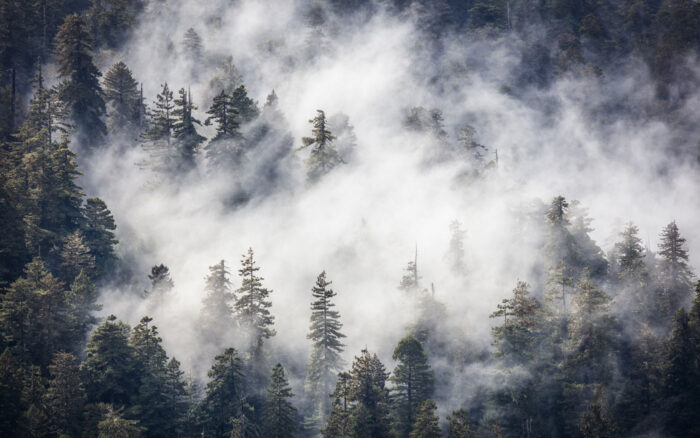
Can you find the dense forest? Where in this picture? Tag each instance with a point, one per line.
(349, 219)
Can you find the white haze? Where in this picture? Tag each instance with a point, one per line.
(362, 222)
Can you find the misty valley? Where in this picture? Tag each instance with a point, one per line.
(349, 218)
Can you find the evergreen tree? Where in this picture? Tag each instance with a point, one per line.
(80, 87)
(426, 424)
(459, 425)
(34, 315)
(192, 45)
(325, 359)
(184, 132)
(216, 316)
(226, 78)
(158, 137)
(244, 105)
(517, 335)
(65, 396)
(114, 425)
(369, 416)
(225, 113)
(82, 302)
(252, 308)
(410, 282)
(111, 20)
(338, 424)
(161, 283)
(630, 255)
(674, 272)
(413, 383)
(597, 422)
(122, 98)
(76, 257)
(225, 394)
(110, 368)
(99, 235)
(323, 156)
(279, 416)
(469, 147)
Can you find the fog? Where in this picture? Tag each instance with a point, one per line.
(362, 222)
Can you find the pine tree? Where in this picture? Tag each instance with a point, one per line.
(516, 337)
(114, 425)
(65, 396)
(111, 20)
(558, 285)
(369, 416)
(459, 425)
(158, 137)
(244, 105)
(413, 383)
(410, 282)
(122, 98)
(10, 393)
(469, 147)
(80, 87)
(76, 257)
(82, 302)
(216, 316)
(279, 416)
(338, 424)
(99, 235)
(426, 424)
(674, 272)
(325, 359)
(192, 45)
(110, 367)
(630, 255)
(224, 112)
(34, 315)
(161, 283)
(252, 308)
(184, 132)
(597, 422)
(225, 393)
(323, 156)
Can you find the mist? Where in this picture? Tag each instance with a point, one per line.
(398, 194)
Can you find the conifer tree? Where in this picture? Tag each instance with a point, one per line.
(82, 302)
(515, 338)
(279, 416)
(369, 416)
(34, 315)
(674, 272)
(10, 393)
(192, 44)
(111, 20)
(161, 283)
(216, 316)
(65, 396)
(410, 282)
(597, 422)
(413, 383)
(252, 307)
(323, 156)
(158, 137)
(184, 132)
(110, 367)
(226, 116)
(99, 235)
(325, 359)
(122, 98)
(473, 150)
(459, 425)
(76, 257)
(244, 105)
(80, 87)
(630, 255)
(114, 425)
(226, 78)
(338, 424)
(225, 393)
(426, 424)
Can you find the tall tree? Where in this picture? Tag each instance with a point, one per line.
(369, 416)
(244, 105)
(426, 424)
(517, 335)
(161, 283)
(323, 156)
(279, 415)
(65, 396)
(184, 132)
(158, 137)
(99, 235)
(252, 308)
(325, 359)
(10, 393)
(225, 393)
(123, 99)
(458, 425)
(216, 315)
(114, 425)
(338, 424)
(111, 20)
(80, 87)
(110, 368)
(76, 257)
(674, 272)
(413, 383)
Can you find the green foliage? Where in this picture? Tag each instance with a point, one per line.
(325, 360)
(674, 273)
(459, 425)
(369, 416)
(279, 416)
(111, 20)
(80, 87)
(323, 156)
(413, 384)
(124, 106)
(517, 335)
(114, 425)
(225, 394)
(98, 231)
(187, 139)
(426, 423)
(65, 396)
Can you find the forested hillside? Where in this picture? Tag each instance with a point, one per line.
(349, 219)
